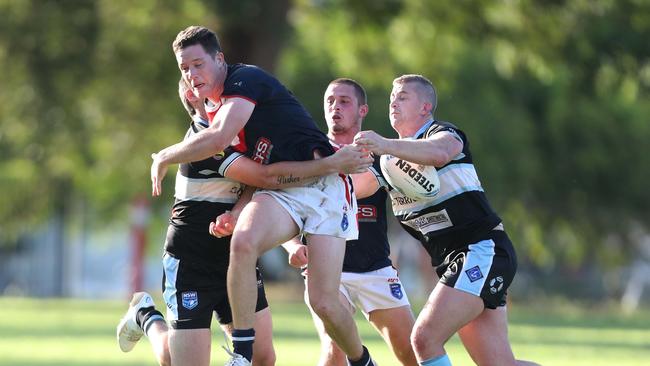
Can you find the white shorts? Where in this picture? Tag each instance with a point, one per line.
(325, 207)
(368, 291)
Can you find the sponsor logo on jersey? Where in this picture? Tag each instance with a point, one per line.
(431, 221)
(474, 274)
(367, 213)
(263, 149)
(416, 175)
(190, 299)
(396, 290)
(402, 200)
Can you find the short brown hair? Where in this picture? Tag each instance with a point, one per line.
(360, 92)
(197, 35)
(425, 87)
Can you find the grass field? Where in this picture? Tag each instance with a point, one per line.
(77, 332)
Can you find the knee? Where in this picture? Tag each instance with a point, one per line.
(243, 245)
(322, 306)
(421, 342)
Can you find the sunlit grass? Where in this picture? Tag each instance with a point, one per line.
(79, 332)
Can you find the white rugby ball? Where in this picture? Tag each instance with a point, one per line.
(412, 180)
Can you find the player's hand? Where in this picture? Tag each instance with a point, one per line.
(352, 159)
(371, 141)
(158, 172)
(298, 257)
(224, 225)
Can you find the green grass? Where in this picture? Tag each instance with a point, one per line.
(77, 332)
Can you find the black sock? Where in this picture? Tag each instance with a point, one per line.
(146, 316)
(364, 360)
(242, 342)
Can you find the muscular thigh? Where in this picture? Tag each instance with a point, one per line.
(264, 223)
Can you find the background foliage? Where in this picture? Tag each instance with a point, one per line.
(554, 96)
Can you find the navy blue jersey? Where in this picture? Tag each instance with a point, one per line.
(202, 193)
(280, 128)
(458, 214)
(370, 252)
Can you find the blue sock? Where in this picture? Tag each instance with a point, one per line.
(242, 342)
(438, 361)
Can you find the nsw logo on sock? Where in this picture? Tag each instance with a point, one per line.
(190, 299)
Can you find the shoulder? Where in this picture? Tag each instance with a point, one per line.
(443, 126)
(243, 72)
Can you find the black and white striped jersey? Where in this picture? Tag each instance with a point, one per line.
(202, 192)
(458, 213)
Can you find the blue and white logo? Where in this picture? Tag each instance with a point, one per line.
(344, 222)
(190, 299)
(396, 290)
(474, 274)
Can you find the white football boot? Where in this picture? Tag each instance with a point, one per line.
(128, 331)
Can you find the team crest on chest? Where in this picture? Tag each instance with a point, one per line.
(190, 299)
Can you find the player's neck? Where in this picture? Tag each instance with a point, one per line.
(342, 139)
(410, 129)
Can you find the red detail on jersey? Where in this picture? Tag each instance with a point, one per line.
(240, 145)
(239, 96)
(263, 148)
(348, 199)
(367, 212)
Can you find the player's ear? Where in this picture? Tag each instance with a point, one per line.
(190, 96)
(363, 110)
(427, 108)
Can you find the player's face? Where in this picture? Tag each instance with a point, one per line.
(201, 71)
(342, 109)
(405, 105)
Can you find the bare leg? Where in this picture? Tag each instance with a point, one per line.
(486, 339)
(262, 225)
(446, 311)
(330, 353)
(325, 263)
(158, 337)
(190, 347)
(395, 326)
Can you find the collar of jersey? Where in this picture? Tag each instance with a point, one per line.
(198, 119)
(423, 129)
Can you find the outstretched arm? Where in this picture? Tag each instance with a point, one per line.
(437, 150)
(229, 120)
(350, 159)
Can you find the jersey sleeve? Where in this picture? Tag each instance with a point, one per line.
(376, 171)
(246, 82)
(230, 155)
(444, 127)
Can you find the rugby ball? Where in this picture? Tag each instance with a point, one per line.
(412, 180)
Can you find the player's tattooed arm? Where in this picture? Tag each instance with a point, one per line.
(349, 159)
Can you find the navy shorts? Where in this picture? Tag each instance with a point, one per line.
(193, 291)
(484, 268)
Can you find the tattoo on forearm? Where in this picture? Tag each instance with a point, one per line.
(288, 180)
